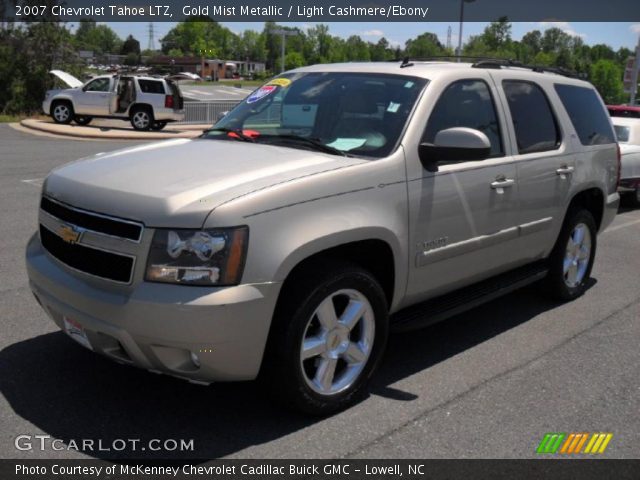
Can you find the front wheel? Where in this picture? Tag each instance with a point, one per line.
(62, 112)
(572, 258)
(328, 337)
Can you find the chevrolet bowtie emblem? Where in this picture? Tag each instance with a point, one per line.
(68, 233)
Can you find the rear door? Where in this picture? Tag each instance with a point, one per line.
(543, 157)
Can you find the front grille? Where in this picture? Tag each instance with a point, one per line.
(92, 221)
(86, 259)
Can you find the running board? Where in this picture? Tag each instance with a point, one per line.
(450, 304)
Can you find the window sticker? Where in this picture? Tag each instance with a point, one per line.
(346, 144)
(409, 84)
(280, 82)
(261, 93)
(393, 107)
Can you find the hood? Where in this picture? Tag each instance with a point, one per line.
(67, 78)
(176, 183)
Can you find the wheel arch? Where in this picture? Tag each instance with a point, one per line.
(591, 199)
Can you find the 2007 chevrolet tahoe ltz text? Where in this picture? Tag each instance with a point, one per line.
(289, 239)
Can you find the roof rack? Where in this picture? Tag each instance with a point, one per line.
(492, 63)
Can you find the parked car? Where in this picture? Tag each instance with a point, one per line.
(624, 111)
(336, 202)
(628, 133)
(147, 102)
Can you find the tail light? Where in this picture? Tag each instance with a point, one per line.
(619, 166)
(168, 101)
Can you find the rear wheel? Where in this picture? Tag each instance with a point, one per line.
(328, 337)
(62, 112)
(158, 125)
(635, 197)
(572, 258)
(141, 118)
(82, 120)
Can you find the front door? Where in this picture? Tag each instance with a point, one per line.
(95, 97)
(463, 218)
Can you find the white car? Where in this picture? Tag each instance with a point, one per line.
(628, 133)
(147, 102)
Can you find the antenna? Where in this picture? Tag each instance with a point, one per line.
(150, 44)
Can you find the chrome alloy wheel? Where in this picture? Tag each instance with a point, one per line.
(577, 255)
(141, 119)
(61, 112)
(337, 342)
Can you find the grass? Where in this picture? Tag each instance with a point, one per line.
(10, 118)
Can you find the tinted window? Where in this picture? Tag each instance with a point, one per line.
(620, 112)
(98, 85)
(587, 114)
(151, 86)
(467, 103)
(622, 133)
(533, 121)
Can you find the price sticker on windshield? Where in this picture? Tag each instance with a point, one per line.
(261, 93)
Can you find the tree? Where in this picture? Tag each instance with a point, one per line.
(606, 76)
(98, 38)
(357, 49)
(424, 45)
(497, 35)
(130, 45)
(532, 41)
(293, 60)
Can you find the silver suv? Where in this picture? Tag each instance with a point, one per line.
(335, 203)
(147, 102)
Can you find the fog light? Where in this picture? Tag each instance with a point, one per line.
(195, 359)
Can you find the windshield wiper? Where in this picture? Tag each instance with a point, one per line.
(237, 132)
(312, 142)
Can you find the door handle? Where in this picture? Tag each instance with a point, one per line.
(565, 170)
(502, 182)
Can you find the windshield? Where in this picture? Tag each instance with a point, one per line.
(622, 133)
(349, 113)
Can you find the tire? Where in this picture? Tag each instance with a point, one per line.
(62, 112)
(314, 311)
(635, 198)
(571, 260)
(157, 125)
(82, 120)
(141, 118)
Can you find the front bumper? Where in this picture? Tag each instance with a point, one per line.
(156, 326)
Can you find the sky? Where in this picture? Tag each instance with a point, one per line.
(615, 34)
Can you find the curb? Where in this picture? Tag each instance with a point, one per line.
(178, 131)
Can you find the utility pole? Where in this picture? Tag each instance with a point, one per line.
(150, 43)
(462, 2)
(285, 34)
(634, 75)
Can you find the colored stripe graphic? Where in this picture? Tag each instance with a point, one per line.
(572, 443)
(551, 442)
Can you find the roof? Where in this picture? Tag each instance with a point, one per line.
(431, 69)
(621, 108)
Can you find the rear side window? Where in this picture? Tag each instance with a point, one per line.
(587, 114)
(533, 120)
(466, 103)
(151, 86)
(622, 133)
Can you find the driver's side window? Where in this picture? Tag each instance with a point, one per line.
(98, 85)
(466, 103)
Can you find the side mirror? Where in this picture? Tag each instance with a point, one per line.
(458, 144)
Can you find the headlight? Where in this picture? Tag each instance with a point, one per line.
(198, 257)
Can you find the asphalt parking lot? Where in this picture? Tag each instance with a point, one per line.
(207, 91)
(486, 384)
